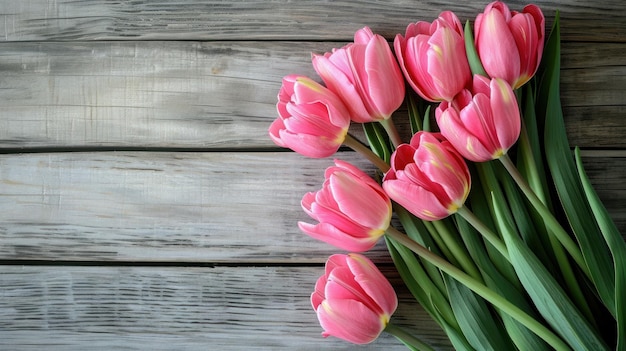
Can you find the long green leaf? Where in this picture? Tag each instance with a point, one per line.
(470, 50)
(530, 163)
(481, 327)
(549, 298)
(480, 200)
(420, 285)
(617, 246)
(523, 338)
(378, 140)
(458, 340)
(564, 174)
(416, 230)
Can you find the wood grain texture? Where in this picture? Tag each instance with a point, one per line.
(36, 20)
(179, 308)
(184, 207)
(148, 206)
(222, 94)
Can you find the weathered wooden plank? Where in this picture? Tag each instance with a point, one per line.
(31, 20)
(181, 308)
(146, 206)
(185, 207)
(221, 94)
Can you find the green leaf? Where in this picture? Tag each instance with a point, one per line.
(523, 338)
(470, 50)
(617, 246)
(458, 340)
(426, 119)
(480, 326)
(416, 230)
(549, 298)
(564, 175)
(480, 200)
(378, 140)
(419, 283)
(415, 118)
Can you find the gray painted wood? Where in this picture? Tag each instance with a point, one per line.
(221, 95)
(175, 308)
(183, 207)
(29, 20)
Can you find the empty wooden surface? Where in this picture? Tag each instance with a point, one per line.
(142, 205)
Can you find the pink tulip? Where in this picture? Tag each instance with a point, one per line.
(483, 123)
(428, 177)
(510, 44)
(353, 210)
(366, 76)
(432, 57)
(311, 121)
(353, 300)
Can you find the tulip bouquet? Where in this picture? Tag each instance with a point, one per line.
(486, 212)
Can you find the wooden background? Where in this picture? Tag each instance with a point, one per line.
(142, 204)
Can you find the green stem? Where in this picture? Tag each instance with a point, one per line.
(407, 339)
(482, 290)
(357, 146)
(487, 233)
(392, 131)
(457, 250)
(553, 225)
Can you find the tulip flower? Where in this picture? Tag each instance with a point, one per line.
(509, 43)
(432, 57)
(366, 76)
(428, 177)
(483, 123)
(353, 210)
(353, 300)
(312, 120)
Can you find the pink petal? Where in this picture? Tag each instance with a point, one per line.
(447, 63)
(526, 37)
(335, 261)
(464, 142)
(402, 156)
(373, 283)
(478, 119)
(340, 221)
(341, 83)
(363, 36)
(360, 202)
(318, 294)
(309, 145)
(349, 320)
(341, 285)
(451, 20)
(333, 236)
(385, 84)
(274, 132)
(497, 48)
(416, 200)
(444, 170)
(506, 114)
(307, 200)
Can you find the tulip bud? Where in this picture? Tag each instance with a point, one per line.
(432, 57)
(509, 43)
(428, 177)
(353, 210)
(353, 300)
(311, 121)
(483, 123)
(365, 75)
